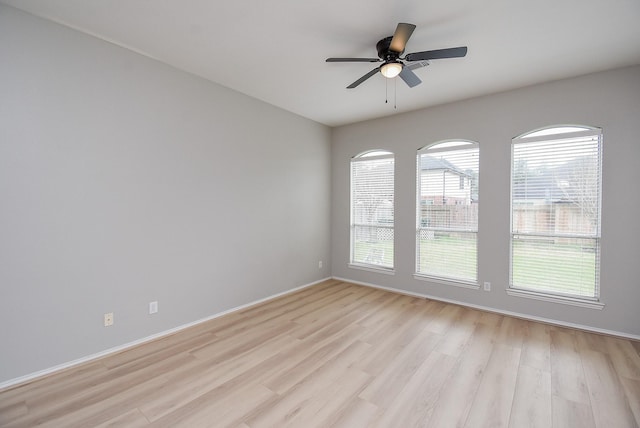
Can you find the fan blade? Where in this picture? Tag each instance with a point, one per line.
(401, 36)
(437, 54)
(417, 64)
(409, 77)
(353, 60)
(363, 78)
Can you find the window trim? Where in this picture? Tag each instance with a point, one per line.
(372, 268)
(447, 281)
(555, 298)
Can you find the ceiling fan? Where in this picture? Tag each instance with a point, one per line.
(390, 50)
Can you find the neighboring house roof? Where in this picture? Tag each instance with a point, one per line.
(431, 163)
(538, 187)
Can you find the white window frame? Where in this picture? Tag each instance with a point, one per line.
(369, 155)
(438, 147)
(546, 134)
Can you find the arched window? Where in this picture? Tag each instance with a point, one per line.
(447, 211)
(555, 213)
(372, 209)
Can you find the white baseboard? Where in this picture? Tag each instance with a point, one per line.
(41, 373)
(497, 311)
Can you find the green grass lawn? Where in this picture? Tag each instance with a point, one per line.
(561, 268)
(451, 255)
(566, 268)
(379, 253)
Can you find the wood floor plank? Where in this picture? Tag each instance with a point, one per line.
(329, 401)
(386, 310)
(156, 350)
(415, 403)
(536, 347)
(343, 355)
(103, 400)
(357, 413)
(492, 404)
(58, 383)
(303, 364)
(532, 399)
(305, 403)
(186, 387)
(456, 335)
(459, 391)
(394, 378)
(227, 410)
(221, 349)
(608, 398)
(95, 413)
(387, 343)
(591, 342)
(130, 419)
(624, 357)
(567, 413)
(9, 412)
(333, 323)
(567, 374)
(491, 319)
(446, 318)
(512, 332)
(632, 392)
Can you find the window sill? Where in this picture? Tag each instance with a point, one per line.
(462, 284)
(591, 304)
(373, 268)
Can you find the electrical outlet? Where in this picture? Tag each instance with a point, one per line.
(108, 319)
(487, 286)
(153, 307)
(320, 264)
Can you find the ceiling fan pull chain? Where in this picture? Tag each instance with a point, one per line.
(386, 91)
(395, 94)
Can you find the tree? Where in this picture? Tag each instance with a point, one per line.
(578, 181)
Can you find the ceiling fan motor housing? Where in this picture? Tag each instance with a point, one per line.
(384, 52)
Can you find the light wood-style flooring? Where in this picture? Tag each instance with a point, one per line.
(342, 355)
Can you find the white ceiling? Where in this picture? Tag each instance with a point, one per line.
(275, 50)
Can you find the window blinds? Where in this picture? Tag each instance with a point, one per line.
(447, 211)
(372, 209)
(555, 212)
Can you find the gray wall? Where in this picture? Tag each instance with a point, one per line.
(123, 180)
(610, 100)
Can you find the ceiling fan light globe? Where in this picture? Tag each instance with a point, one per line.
(391, 69)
